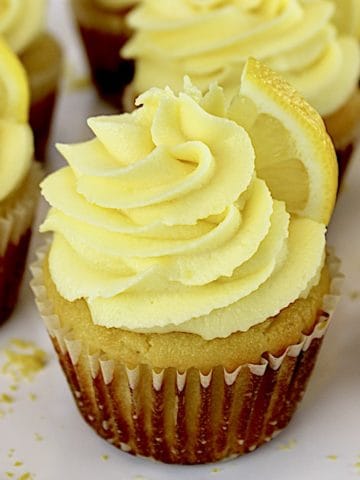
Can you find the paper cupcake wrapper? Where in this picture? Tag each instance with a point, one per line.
(190, 416)
(16, 217)
(110, 72)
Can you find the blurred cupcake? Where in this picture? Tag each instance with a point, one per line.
(19, 178)
(211, 40)
(347, 16)
(187, 287)
(104, 32)
(22, 24)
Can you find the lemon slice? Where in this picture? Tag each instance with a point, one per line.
(294, 154)
(14, 90)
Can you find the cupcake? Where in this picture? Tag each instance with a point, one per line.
(41, 56)
(187, 287)
(104, 32)
(347, 16)
(211, 40)
(19, 178)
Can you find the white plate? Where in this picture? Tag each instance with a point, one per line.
(327, 423)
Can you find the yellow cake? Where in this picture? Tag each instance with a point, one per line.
(187, 286)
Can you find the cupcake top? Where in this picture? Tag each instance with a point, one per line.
(187, 215)
(347, 16)
(21, 21)
(211, 40)
(16, 140)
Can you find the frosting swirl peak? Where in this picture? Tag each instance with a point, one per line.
(166, 226)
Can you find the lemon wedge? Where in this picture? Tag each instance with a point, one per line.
(14, 90)
(294, 154)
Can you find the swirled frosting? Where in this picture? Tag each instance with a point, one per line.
(16, 151)
(347, 16)
(210, 40)
(21, 21)
(162, 224)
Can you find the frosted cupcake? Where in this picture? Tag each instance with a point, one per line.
(347, 16)
(187, 287)
(104, 32)
(211, 40)
(22, 24)
(19, 178)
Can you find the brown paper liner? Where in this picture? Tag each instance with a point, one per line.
(110, 72)
(185, 417)
(43, 63)
(16, 215)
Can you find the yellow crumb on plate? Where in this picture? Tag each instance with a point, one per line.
(290, 445)
(5, 398)
(24, 360)
(104, 457)
(332, 457)
(38, 437)
(25, 476)
(354, 295)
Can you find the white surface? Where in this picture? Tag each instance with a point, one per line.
(328, 421)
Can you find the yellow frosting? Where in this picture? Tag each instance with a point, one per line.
(161, 223)
(16, 151)
(347, 16)
(210, 40)
(21, 21)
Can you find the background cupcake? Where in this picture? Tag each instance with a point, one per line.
(211, 40)
(347, 16)
(22, 24)
(19, 178)
(188, 329)
(104, 32)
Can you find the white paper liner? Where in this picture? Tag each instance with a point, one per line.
(73, 347)
(102, 374)
(17, 212)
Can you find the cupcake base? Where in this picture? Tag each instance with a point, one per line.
(12, 266)
(43, 63)
(104, 33)
(189, 416)
(16, 215)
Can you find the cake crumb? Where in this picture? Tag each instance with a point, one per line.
(332, 457)
(24, 360)
(215, 470)
(33, 397)
(354, 295)
(25, 476)
(38, 437)
(105, 457)
(11, 452)
(9, 474)
(5, 398)
(290, 445)
(18, 464)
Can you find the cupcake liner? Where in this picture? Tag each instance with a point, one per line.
(43, 64)
(186, 416)
(16, 215)
(110, 72)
